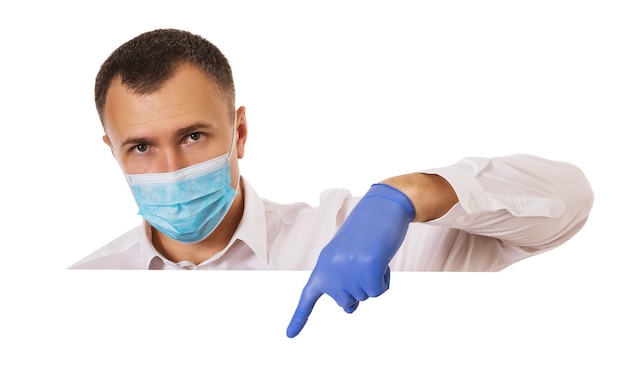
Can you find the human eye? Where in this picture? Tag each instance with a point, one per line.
(140, 148)
(193, 137)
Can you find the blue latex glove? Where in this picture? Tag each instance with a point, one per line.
(354, 265)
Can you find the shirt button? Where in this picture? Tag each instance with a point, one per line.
(518, 205)
(460, 219)
(471, 203)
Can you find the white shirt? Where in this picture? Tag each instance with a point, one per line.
(509, 208)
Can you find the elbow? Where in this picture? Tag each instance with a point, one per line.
(575, 199)
(580, 197)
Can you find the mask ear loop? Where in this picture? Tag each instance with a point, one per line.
(230, 154)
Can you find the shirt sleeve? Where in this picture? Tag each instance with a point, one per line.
(510, 208)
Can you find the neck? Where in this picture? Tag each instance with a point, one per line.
(197, 253)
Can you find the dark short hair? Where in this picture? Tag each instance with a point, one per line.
(147, 61)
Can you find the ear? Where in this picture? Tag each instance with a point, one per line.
(106, 140)
(242, 131)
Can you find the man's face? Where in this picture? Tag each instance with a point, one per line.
(185, 122)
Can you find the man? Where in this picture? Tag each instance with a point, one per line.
(166, 100)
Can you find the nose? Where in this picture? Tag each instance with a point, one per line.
(172, 160)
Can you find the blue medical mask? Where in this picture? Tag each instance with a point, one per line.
(186, 205)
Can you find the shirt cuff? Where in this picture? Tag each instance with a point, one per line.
(468, 190)
(474, 199)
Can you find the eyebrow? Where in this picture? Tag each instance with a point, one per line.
(179, 133)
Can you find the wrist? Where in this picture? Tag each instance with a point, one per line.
(390, 193)
(431, 195)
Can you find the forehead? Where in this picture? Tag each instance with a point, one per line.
(187, 96)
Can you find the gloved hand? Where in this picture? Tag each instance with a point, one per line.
(354, 265)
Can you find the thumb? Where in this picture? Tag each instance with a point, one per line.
(305, 306)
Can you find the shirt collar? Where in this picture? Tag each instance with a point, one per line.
(251, 230)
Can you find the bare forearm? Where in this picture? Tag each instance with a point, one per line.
(432, 195)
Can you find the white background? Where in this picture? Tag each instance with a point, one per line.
(339, 94)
